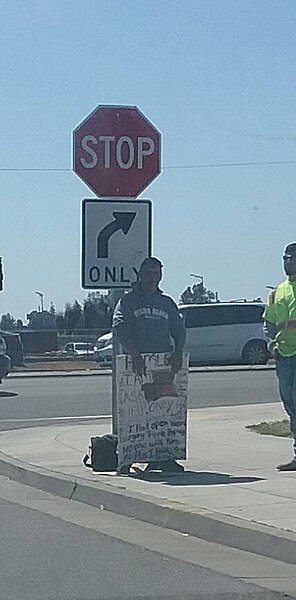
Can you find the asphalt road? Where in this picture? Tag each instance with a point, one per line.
(57, 549)
(25, 401)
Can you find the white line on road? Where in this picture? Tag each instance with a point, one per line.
(81, 418)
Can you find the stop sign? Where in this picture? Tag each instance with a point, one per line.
(116, 151)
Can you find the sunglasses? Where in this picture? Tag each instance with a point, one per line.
(289, 257)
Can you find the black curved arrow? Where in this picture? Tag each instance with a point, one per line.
(122, 220)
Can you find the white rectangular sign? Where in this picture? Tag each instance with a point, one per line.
(151, 410)
(116, 237)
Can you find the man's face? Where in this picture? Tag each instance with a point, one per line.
(150, 276)
(290, 264)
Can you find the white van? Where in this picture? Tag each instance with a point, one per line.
(225, 332)
(79, 348)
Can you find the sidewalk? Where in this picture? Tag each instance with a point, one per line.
(230, 492)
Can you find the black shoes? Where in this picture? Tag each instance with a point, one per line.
(171, 466)
(124, 470)
(152, 466)
(166, 466)
(290, 466)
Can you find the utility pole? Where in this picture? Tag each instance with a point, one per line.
(116, 296)
(1, 275)
(41, 296)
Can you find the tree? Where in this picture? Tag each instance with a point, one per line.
(198, 294)
(8, 322)
(60, 321)
(73, 315)
(41, 320)
(96, 312)
(52, 310)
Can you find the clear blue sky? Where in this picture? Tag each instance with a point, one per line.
(217, 77)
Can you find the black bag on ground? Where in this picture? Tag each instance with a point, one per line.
(102, 453)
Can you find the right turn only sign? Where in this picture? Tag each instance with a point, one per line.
(116, 237)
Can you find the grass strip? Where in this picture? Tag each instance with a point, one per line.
(277, 428)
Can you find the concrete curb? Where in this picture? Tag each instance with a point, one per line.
(212, 369)
(36, 374)
(198, 522)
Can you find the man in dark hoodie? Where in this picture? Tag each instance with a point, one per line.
(146, 320)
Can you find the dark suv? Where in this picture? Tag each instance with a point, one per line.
(14, 347)
(4, 359)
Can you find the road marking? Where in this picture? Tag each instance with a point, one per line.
(81, 418)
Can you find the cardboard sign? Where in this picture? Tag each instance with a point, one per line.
(152, 410)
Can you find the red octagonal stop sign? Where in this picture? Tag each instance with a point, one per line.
(116, 151)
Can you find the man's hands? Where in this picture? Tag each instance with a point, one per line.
(138, 364)
(139, 367)
(175, 360)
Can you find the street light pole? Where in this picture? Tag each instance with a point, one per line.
(41, 296)
(197, 277)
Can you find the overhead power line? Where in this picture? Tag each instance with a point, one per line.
(203, 166)
(30, 169)
(240, 164)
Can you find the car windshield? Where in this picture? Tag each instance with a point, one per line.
(83, 346)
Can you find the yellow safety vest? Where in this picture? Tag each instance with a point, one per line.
(281, 310)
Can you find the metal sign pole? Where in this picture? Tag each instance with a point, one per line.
(117, 294)
(114, 183)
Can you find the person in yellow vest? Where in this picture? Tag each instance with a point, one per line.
(280, 329)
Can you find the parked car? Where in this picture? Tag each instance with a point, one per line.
(4, 360)
(225, 332)
(103, 350)
(14, 347)
(79, 349)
